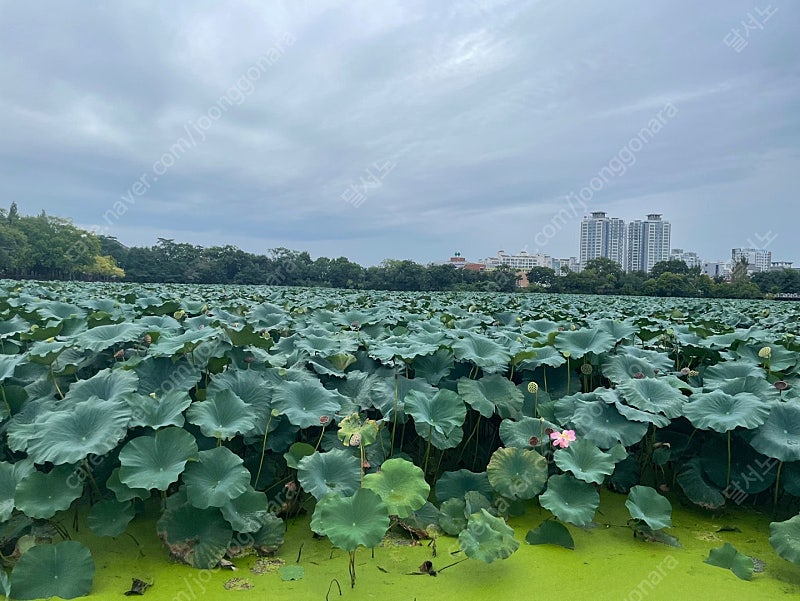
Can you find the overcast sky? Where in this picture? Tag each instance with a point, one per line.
(411, 129)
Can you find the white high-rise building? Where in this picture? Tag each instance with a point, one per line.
(602, 236)
(648, 243)
(691, 259)
(758, 259)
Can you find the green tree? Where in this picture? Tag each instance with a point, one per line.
(543, 277)
(14, 250)
(671, 266)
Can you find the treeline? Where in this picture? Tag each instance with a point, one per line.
(667, 278)
(170, 261)
(46, 247)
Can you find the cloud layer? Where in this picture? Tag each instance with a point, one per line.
(403, 129)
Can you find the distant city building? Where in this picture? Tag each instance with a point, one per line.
(460, 262)
(716, 269)
(758, 259)
(648, 243)
(602, 236)
(523, 260)
(564, 266)
(691, 259)
(778, 265)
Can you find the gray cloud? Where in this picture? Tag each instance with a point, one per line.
(491, 111)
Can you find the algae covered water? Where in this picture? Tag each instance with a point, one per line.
(608, 563)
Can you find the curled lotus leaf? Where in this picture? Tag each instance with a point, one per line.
(216, 478)
(644, 503)
(517, 473)
(156, 461)
(487, 538)
(779, 435)
(350, 522)
(222, 415)
(785, 539)
(401, 485)
(570, 500)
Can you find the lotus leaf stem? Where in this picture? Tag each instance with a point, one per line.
(264, 449)
(5, 400)
(352, 569)
(394, 413)
(330, 586)
(427, 451)
(777, 488)
(728, 475)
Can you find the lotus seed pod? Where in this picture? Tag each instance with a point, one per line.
(587, 369)
(765, 352)
(533, 387)
(355, 439)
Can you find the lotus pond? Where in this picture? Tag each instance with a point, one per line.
(178, 441)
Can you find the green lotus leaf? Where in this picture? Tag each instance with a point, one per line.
(694, 484)
(716, 375)
(653, 395)
(169, 346)
(106, 384)
(605, 426)
(163, 375)
(222, 415)
(550, 532)
(785, 538)
(619, 330)
(586, 461)
(623, 366)
(92, 426)
(303, 403)
(350, 522)
(296, 452)
(487, 538)
(159, 412)
(434, 367)
(454, 485)
(580, 342)
(729, 558)
(490, 393)
(199, 537)
(519, 432)
(216, 478)
(58, 311)
(517, 473)
(453, 516)
(481, 351)
(14, 325)
(780, 359)
(779, 435)
(46, 353)
(364, 430)
(637, 415)
(247, 512)
(65, 570)
(757, 386)
(156, 461)
(335, 471)
(270, 536)
(100, 338)
(123, 492)
(388, 349)
(719, 411)
(644, 503)
(8, 364)
(546, 356)
(247, 384)
(110, 518)
(570, 499)
(401, 485)
(41, 495)
(291, 573)
(10, 476)
(395, 391)
(438, 418)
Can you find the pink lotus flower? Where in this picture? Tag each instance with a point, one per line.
(562, 439)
